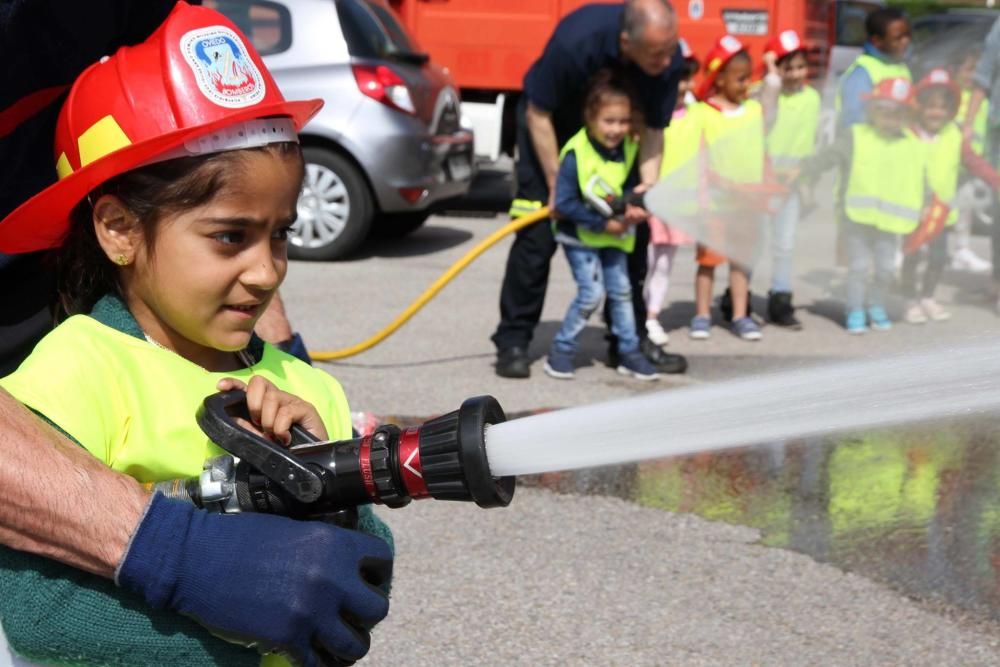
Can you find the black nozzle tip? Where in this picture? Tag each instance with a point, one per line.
(474, 416)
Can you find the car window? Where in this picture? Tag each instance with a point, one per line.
(851, 22)
(267, 24)
(372, 31)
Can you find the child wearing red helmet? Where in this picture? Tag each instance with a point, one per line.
(733, 142)
(882, 164)
(936, 100)
(681, 145)
(180, 171)
(791, 137)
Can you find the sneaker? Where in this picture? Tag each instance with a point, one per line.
(855, 324)
(915, 313)
(513, 363)
(656, 333)
(637, 366)
(700, 328)
(879, 318)
(559, 366)
(934, 310)
(663, 361)
(966, 260)
(746, 328)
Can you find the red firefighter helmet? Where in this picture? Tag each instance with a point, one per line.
(725, 48)
(896, 90)
(939, 77)
(189, 89)
(785, 43)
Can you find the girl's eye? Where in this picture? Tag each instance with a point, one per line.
(282, 233)
(233, 237)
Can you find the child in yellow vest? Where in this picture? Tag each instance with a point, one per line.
(791, 138)
(679, 172)
(883, 168)
(974, 196)
(597, 163)
(936, 100)
(733, 152)
(169, 231)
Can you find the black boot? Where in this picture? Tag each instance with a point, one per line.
(665, 362)
(513, 363)
(726, 305)
(613, 358)
(781, 311)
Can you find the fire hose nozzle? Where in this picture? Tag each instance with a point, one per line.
(445, 458)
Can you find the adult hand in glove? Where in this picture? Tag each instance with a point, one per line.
(304, 589)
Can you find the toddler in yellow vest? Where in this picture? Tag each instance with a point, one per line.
(882, 164)
(599, 166)
(791, 137)
(974, 196)
(169, 236)
(732, 130)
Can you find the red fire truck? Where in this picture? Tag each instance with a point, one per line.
(488, 45)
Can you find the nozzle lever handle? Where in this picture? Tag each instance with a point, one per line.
(217, 418)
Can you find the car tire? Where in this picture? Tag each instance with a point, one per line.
(398, 225)
(335, 208)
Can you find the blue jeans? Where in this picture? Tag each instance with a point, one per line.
(866, 245)
(598, 271)
(783, 224)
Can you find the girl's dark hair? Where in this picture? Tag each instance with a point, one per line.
(792, 54)
(690, 68)
(951, 100)
(604, 85)
(83, 271)
(743, 55)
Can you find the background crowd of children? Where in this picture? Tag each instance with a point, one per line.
(741, 161)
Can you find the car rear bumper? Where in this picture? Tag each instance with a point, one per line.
(437, 167)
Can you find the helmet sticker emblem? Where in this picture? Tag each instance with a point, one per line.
(225, 73)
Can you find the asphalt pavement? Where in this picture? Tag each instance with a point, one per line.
(565, 579)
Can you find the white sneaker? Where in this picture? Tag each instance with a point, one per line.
(934, 310)
(966, 260)
(915, 313)
(655, 333)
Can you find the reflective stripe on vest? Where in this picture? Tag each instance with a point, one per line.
(735, 142)
(679, 171)
(132, 404)
(878, 70)
(522, 207)
(885, 187)
(793, 135)
(980, 126)
(589, 163)
(944, 164)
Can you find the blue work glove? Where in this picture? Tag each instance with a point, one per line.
(304, 589)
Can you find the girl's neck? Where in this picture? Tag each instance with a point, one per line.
(724, 103)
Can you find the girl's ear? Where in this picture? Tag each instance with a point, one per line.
(117, 229)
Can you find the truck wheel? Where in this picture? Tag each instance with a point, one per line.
(398, 225)
(335, 208)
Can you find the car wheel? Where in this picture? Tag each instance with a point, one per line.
(397, 225)
(334, 210)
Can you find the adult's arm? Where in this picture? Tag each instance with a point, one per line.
(650, 155)
(543, 138)
(58, 501)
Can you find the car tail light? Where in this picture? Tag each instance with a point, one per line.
(412, 195)
(383, 85)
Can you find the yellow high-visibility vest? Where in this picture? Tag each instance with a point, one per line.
(793, 135)
(590, 163)
(943, 156)
(878, 70)
(680, 165)
(885, 187)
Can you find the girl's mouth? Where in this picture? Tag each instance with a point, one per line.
(244, 310)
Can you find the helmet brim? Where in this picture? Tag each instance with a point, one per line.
(42, 222)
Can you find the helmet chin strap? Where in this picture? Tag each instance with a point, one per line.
(238, 136)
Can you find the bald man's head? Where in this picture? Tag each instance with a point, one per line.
(649, 34)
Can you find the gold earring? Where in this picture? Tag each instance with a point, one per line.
(121, 260)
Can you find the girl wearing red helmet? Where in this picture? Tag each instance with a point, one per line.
(733, 138)
(791, 138)
(180, 172)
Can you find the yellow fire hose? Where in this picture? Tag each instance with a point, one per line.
(435, 287)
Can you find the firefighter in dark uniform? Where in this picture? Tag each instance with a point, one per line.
(639, 37)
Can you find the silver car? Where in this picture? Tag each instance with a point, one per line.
(387, 146)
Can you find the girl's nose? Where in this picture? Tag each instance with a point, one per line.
(264, 269)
